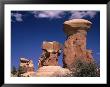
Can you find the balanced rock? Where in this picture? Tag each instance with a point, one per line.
(50, 53)
(75, 45)
(73, 25)
(52, 71)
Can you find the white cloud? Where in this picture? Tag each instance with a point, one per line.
(55, 14)
(91, 14)
(17, 16)
(82, 14)
(61, 14)
(48, 14)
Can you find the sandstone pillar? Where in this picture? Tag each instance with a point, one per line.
(75, 45)
(50, 53)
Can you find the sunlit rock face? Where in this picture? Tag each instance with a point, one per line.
(28, 74)
(52, 71)
(27, 65)
(50, 53)
(74, 25)
(75, 45)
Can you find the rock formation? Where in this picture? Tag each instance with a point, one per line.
(75, 45)
(28, 74)
(27, 65)
(50, 53)
(74, 48)
(52, 71)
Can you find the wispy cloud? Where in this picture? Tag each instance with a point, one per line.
(82, 14)
(18, 16)
(60, 14)
(48, 14)
(51, 14)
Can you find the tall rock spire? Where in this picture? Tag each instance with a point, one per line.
(75, 45)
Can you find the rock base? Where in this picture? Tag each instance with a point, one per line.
(52, 71)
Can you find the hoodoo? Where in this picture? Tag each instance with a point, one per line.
(75, 45)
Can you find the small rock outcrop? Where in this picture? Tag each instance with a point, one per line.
(50, 53)
(28, 74)
(27, 65)
(75, 45)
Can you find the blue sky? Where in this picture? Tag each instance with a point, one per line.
(30, 28)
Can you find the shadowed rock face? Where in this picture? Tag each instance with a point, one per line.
(75, 45)
(50, 53)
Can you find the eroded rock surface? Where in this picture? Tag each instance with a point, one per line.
(50, 53)
(52, 71)
(27, 65)
(75, 45)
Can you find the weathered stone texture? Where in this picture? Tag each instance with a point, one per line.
(27, 64)
(50, 53)
(75, 45)
(52, 71)
(72, 26)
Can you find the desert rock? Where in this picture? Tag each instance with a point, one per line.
(52, 71)
(50, 53)
(75, 45)
(27, 65)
